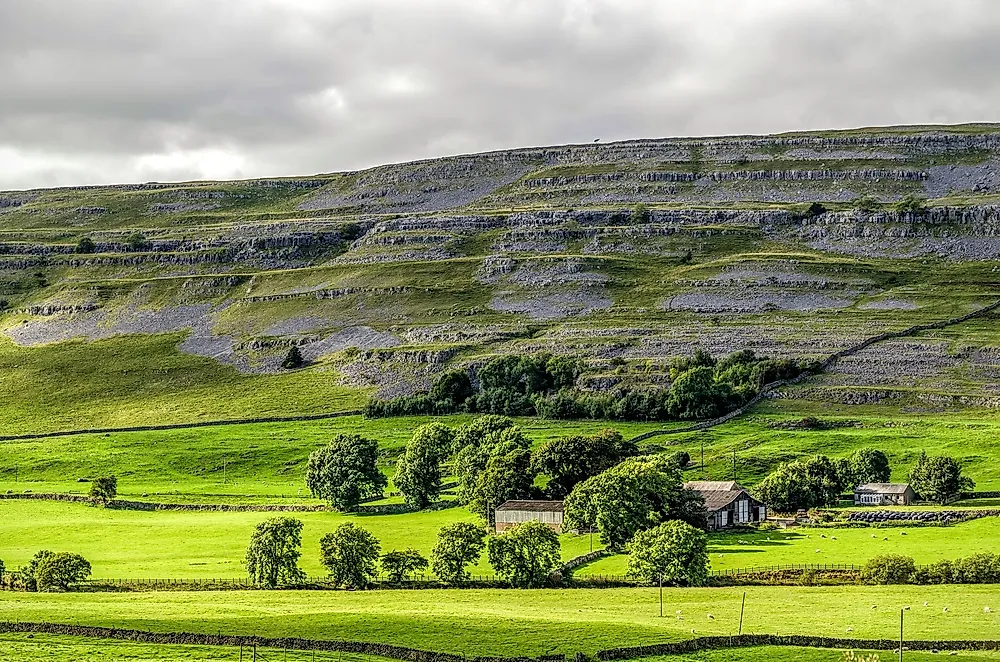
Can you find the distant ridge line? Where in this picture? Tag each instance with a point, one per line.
(767, 389)
(181, 426)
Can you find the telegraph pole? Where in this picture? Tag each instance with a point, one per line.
(742, 605)
(734, 465)
(900, 635)
(661, 596)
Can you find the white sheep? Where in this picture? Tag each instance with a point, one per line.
(874, 536)
(874, 606)
(678, 611)
(711, 618)
(925, 604)
(833, 537)
(850, 629)
(945, 609)
(986, 610)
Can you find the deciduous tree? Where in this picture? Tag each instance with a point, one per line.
(350, 554)
(399, 565)
(273, 554)
(569, 460)
(458, 546)
(674, 551)
(525, 554)
(346, 471)
(939, 479)
(103, 490)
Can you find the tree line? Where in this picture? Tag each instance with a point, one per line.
(701, 387)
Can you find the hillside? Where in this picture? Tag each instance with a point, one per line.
(189, 295)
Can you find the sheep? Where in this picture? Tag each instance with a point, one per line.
(678, 611)
(986, 610)
(902, 533)
(874, 606)
(833, 537)
(874, 536)
(925, 604)
(822, 535)
(906, 608)
(711, 618)
(945, 609)
(884, 538)
(850, 629)
(817, 550)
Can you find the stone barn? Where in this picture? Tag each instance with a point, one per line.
(514, 512)
(728, 503)
(884, 494)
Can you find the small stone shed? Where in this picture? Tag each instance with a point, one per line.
(516, 511)
(884, 494)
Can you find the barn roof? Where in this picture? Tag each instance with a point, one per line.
(713, 485)
(882, 488)
(717, 493)
(532, 506)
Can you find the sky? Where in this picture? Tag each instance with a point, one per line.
(117, 91)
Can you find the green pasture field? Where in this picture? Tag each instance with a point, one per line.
(146, 380)
(927, 544)
(533, 622)
(230, 463)
(185, 544)
(200, 545)
(56, 648)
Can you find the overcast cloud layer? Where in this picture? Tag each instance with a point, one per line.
(100, 91)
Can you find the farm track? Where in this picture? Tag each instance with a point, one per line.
(824, 366)
(417, 655)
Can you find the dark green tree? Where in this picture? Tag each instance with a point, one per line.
(453, 388)
(524, 555)
(674, 552)
(640, 214)
(868, 465)
(638, 493)
(458, 546)
(911, 204)
(86, 245)
(293, 359)
(569, 460)
(350, 555)
(398, 566)
(273, 554)
(103, 490)
(54, 571)
(696, 395)
(507, 475)
(939, 479)
(888, 569)
(345, 472)
(418, 472)
(137, 242)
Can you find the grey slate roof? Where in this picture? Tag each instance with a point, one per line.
(882, 488)
(717, 493)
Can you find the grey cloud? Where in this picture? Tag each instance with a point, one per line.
(101, 90)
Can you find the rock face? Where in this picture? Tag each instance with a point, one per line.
(390, 275)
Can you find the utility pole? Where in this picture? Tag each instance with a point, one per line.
(734, 465)
(224, 467)
(702, 454)
(900, 635)
(661, 596)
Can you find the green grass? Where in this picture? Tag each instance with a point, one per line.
(927, 544)
(146, 380)
(59, 648)
(56, 648)
(231, 463)
(513, 622)
(194, 545)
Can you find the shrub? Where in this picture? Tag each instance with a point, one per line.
(674, 552)
(349, 555)
(293, 359)
(941, 572)
(525, 554)
(346, 471)
(977, 569)
(681, 459)
(399, 565)
(86, 245)
(568, 461)
(640, 214)
(888, 569)
(911, 204)
(458, 546)
(103, 489)
(273, 554)
(869, 465)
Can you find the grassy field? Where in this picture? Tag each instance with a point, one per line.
(512, 622)
(173, 544)
(730, 551)
(53, 648)
(146, 380)
(264, 462)
(229, 463)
